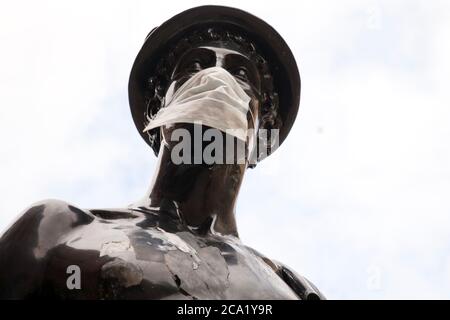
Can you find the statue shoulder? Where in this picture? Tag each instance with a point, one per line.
(304, 288)
(51, 217)
(24, 245)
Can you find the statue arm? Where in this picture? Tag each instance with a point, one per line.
(304, 288)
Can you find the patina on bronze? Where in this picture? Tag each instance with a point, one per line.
(181, 240)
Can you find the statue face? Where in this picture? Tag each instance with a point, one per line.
(227, 56)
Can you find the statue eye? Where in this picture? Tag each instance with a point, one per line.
(195, 66)
(241, 73)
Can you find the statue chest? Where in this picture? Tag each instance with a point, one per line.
(152, 263)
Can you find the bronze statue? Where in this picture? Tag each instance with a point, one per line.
(181, 240)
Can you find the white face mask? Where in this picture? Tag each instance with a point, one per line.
(211, 97)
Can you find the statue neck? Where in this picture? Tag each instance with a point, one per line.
(204, 196)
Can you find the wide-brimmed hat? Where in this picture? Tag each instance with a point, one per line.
(161, 40)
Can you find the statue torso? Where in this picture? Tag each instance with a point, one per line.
(140, 254)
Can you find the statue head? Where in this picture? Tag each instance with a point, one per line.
(250, 50)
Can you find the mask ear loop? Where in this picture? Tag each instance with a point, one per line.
(167, 99)
(258, 95)
(254, 142)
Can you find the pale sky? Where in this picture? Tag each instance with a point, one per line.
(357, 198)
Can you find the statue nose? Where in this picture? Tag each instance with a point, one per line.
(219, 60)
